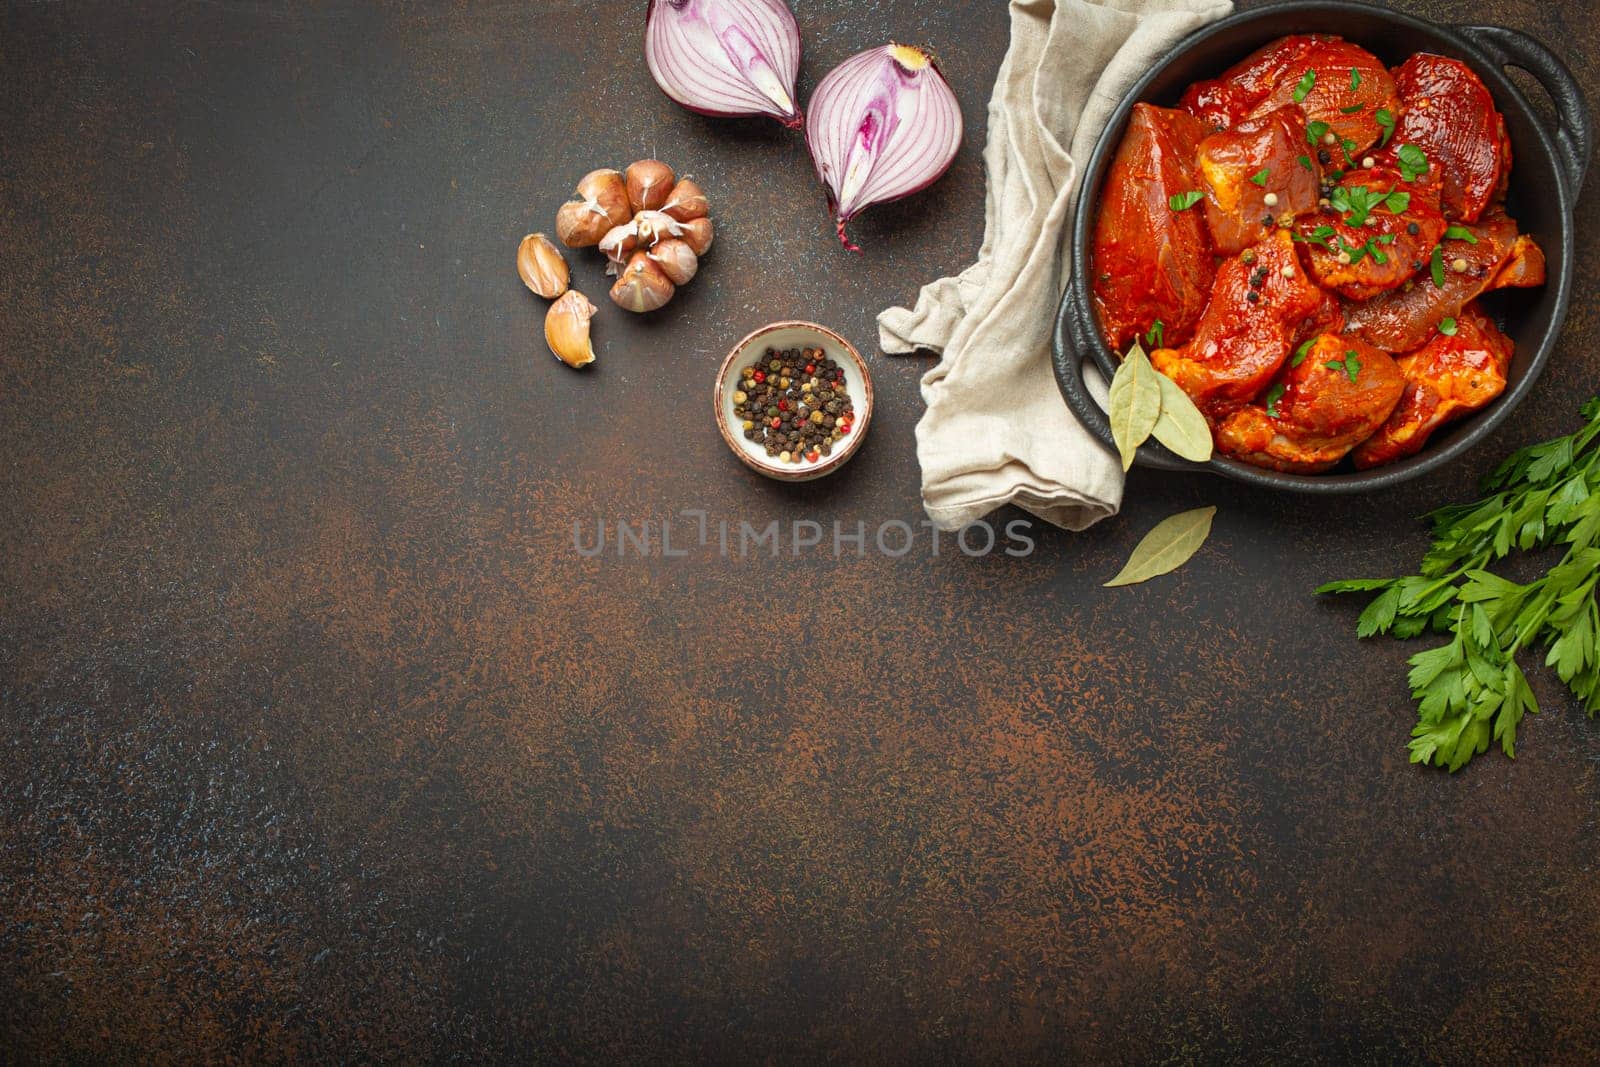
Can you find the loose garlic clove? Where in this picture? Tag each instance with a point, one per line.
(698, 232)
(606, 193)
(578, 226)
(618, 244)
(656, 226)
(686, 201)
(649, 184)
(643, 286)
(566, 329)
(676, 260)
(541, 266)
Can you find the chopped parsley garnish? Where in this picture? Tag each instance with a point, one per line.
(1315, 131)
(1318, 236)
(1350, 364)
(1302, 352)
(1413, 164)
(1352, 109)
(1436, 264)
(1304, 161)
(1359, 201)
(1347, 146)
(1369, 247)
(1260, 176)
(1461, 233)
(1185, 201)
(1385, 120)
(1274, 395)
(1355, 79)
(1447, 327)
(1156, 335)
(1303, 90)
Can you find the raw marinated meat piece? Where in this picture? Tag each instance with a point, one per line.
(1446, 379)
(1151, 262)
(1243, 337)
(1330, 397)
(1446, 111)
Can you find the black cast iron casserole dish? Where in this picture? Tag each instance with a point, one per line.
(1548, 166)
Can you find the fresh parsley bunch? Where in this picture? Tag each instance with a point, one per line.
(1471, 690)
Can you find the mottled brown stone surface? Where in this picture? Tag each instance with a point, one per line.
(320, 741)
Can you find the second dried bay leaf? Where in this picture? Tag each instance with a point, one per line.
(1181, 427)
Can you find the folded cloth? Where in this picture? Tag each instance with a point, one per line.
(996, 430)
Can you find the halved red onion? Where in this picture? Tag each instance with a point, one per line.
(726, 57)
(882, 125)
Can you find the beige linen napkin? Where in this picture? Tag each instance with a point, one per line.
(996, 430)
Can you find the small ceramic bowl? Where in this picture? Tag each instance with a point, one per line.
(782, 335)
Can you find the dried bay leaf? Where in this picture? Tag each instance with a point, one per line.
(1135, 403)
(1167, 547)
(1181, 427)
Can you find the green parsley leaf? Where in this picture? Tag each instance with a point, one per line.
(1471, 691)
(1274, 395)
(1304, 161)
(1352, 109)
(1461, 233)
(1260, 176)
(1156, 335)
(1436, 265)
(1355, 79)
(1369, 247)
(1318, 236)
(1303, 89)
(1359, 201)
(1302, 352)
(1447, 326)
(1350, 364)
(1315, 132)
(1413, 163)
(1185, 201)
(1385, 120)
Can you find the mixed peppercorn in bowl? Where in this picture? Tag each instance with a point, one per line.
(793, 400)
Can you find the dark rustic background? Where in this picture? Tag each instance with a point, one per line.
(320, 740)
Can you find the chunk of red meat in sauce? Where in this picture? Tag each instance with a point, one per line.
(1151, 262)
(1446, 379)
(1524, 267)
(1239, 209)
(1322, 405)
(1326, 317)
(1349, 86)
(1241, 342)
(1402, 319)
(1446, 111)
(1360, 245)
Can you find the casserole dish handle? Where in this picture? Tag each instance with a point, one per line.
(1574, 133)
(1076, 337)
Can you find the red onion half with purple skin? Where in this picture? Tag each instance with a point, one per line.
(726, 58)
(882, 125)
